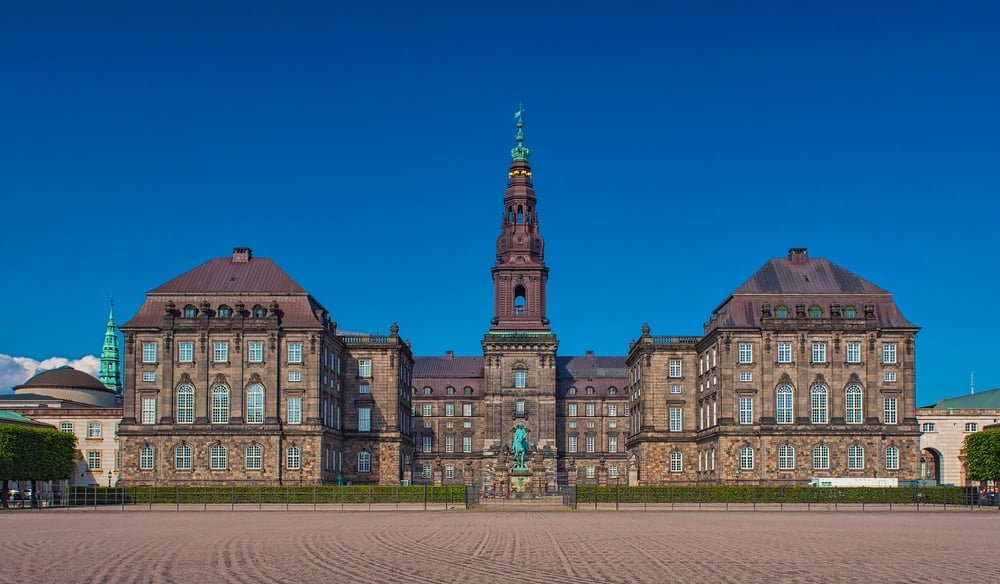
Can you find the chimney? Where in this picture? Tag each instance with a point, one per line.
(449, 354)
(241, 255)
(590, 354)
(798, 255)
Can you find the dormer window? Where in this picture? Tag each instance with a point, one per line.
(259, 311)
(590, 390)
(850, 312)
(571, 391)
(190, 311)
(225, 312)
(815, 312)
(781, 312)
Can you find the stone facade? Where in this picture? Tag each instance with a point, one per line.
(942, 440)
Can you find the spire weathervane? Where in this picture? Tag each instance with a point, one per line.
(520, 152)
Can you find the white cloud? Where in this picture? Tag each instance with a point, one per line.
(17, 370)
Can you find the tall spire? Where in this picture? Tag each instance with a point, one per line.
(111, 375)
(519, 152)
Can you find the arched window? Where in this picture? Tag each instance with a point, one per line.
(255, 404)
(571, 391)
(855, 457)
(182, 457)
(676, 461)
(821, 457)
(185, 404)
(746, 458)
(819, 410)
(786, 457)
(850, 312)
(815, 312)
(784, 412)
(253, 457)
(781, 312)
(520, 300)
(219, 457)
(259, 311)
(364, 461)
(892, 458)
(467, 390)
(190, 311)
(293, 458)
(147, 458)
(612, 390)
(225, 312)
(590, 390)
(520, 377)
(852, 404)
(449, 390)
(428, 390)
(220, 404)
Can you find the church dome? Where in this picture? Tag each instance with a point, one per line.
(63, 377)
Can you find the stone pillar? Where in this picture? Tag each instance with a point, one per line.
(571, 474)
(438, 472)
(602, 473)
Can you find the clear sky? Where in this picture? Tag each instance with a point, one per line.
(364, 146)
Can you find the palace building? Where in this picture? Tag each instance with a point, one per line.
(233, 372)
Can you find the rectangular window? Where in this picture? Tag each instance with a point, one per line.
(218, 458)
(427, 410)
(449, 409)
(570, 409)
(149, 352)
(364, 419)
(746, 376)
(449, 471)
(892, 458)
(571, 444)
(890, 411)
(466, 410)
(364, 388)
(94, 460)
(889, 352)
(853, 352)
(819, 353)
(293, 458)
(520, 379)
(821, 457)
(294, 352)
(675, 420)
(927, 427)
(590, 443)
(93, 429)
(149, 410)
(746, 410)
(889, 376)
(466, 443)
(971, 427)
(746, 458)
(675, 389)
(66, 427)
(294, 376)
(146, 458)
(255, 352)
(612, 410)
(185, 352)
(449, 444)
(674, 369)
(428, 443)
(746, 352)
(589, 409)
(590, 471)
(364, 367)
(295, 410)
(519, 407)
(784, 352)
(855, 457)
(149, 375)
(612, 443)
(220, 353)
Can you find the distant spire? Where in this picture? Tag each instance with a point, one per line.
(519, 152)
(972, 383)
(110, 374)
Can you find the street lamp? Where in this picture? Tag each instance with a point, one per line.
(109, 478)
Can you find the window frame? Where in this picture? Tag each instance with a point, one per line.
(221, 403)
(255, 404)
(855, 457)
(746, 410)
(854, 399)
(253, 457)
(786, 457)
(784, 408)
(255, 352)
(293, 352)
(293, 411)
(218, 457)
(183, 457)
(819, 404)
(745, 353)
(784, 352)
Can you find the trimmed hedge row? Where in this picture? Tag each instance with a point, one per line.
(772, 495)
(264, 495)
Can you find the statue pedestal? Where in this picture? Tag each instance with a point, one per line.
(520, 480)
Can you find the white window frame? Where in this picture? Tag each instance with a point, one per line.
(971, 427)
(220, 352)
(890, 407)
(428, 443)
(746, 458)
(293, 458)
(612, 444)
(466, 443)
(889, 377)
(93, 460)
(148, 376)
(571, 409)
(147, 458)
(183, 457)
(820, 457)
(365, 462)
(294, 352)
(148, 415)
(746, 376)
(612, 410)
(218, 457)
(294, 376)
(784, 407)
(66, 427)
(520, 379)
(220, 404)
(674, 368)
(185, 352)
(786, 457)
(294, 414)
(892, 458)
(94, 430)
(149, 353)
(746, 410)
(253, 456)
(675, 389)
(364, 368)
(819, 404)
(364, 419)
(676, 461)
(255, 352)
(853, 352)
(676, 419)
(185, 404)
(784, 352)
(255, 404)
(819, 352)
(571, 444)
(745, 352)
(467, 410)
(889, 353)
(855, 457)
(590, 443)
(364, 388)
(854, 399)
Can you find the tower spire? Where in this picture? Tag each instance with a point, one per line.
(110, 374)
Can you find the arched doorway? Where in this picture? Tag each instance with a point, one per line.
(930, 465)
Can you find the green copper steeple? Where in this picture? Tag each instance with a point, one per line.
(519, 152)
(111, 375)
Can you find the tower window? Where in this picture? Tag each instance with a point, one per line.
(520, 302)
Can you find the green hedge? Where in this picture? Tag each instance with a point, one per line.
(771, 495)
(265, 495)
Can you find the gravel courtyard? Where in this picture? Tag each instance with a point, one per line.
(518, 546)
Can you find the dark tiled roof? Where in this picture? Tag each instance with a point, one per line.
(443, 367)
(224, 276)
(600, 386)
(439, 385)
(300, 311)
(813, 276)
(983, 400)
(589, 366)
(65, 376)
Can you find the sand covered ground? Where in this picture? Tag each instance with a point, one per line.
(163, 546)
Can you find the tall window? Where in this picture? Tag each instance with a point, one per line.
(185, 404)
(591, 446)
(149, 410)
(852, 403)
(819, 353)
(889, 352)
(821, 457)
(520, 379)
(146, 458)
(94, 460)
(746, 410)
(784, 352)
(364, 367)
(364, 419)
(612, 410)
(853, 352)
(819, 411)
(675, 420)
(590, 409)
(570, 409)
(93, 429)
(219, 457)
(676, 461)
(449, 443)
(149, 352)
(466, 443)
(674, 369)
(890, 411)
(293, 458)
(449, 471)
(892, 458)
(220, 354)
(185, 352)
(255, 352)
(571, 443)
(786, 457)
(220, 404)
(466, 410)
(254, 457)
(855, 457)
(365, 462)
(428, 443)
(294, 410)
(427, 409)
(783, 405)
(612, 443)
(449, 409)
(746, 458)
(746, 352)
(255, 404)
(294, 352)
(182, 457)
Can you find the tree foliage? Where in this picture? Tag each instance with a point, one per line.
(28, 454)
(982, 455)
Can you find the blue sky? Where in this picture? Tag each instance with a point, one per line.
(676, 147)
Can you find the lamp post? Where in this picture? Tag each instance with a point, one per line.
(109, 479)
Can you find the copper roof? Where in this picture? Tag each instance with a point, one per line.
(64, 376)
(983, 400)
